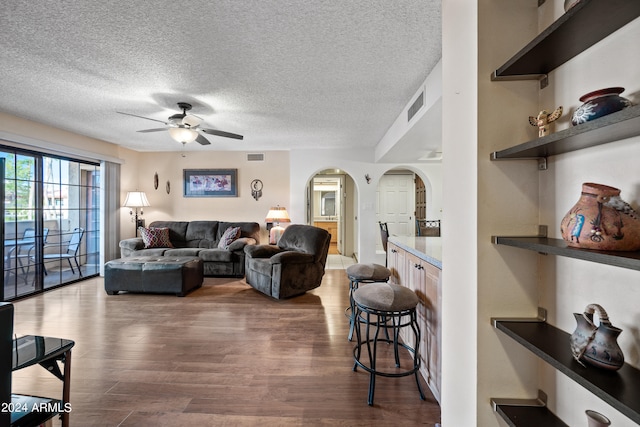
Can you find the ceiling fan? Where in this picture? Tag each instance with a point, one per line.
(184, 127)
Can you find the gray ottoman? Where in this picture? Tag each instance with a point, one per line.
(155, 274)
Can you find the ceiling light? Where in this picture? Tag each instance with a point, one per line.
(183, 135)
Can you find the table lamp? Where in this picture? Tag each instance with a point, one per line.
(135, 200)
(276, 215)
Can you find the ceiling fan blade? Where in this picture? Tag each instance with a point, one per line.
(152, 130)
(141, 117)
(202, 140)
(221, 133)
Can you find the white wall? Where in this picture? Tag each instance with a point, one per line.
(459, 242)
(513, 198)
(304, 164)
(273, 172)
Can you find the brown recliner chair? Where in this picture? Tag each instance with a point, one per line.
(293, 266)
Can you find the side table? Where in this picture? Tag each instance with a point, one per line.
(47, 352)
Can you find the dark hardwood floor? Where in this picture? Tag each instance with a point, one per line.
(223, 355)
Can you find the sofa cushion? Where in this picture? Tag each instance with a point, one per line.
(202, 234)
(230, 234)
(306, 239)
(215, 254)
(247, 229)
(182, 252)
(177, 231)
(239, 244)
(155, 237)
(149, 252)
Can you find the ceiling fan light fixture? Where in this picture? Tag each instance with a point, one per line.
(191, 121)
(183, 135)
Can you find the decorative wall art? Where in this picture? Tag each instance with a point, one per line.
(155, 180)
(210, 182)
(168, 187)
(256, 189)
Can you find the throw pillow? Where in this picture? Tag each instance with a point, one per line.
(230, 234)
(155, 237)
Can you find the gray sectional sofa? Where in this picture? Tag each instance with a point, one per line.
(201, 238)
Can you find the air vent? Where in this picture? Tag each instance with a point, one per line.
(417, 105)
(255, 157)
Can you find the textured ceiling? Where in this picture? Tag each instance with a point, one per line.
(283, 73)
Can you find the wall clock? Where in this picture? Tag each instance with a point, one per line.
(256, 189)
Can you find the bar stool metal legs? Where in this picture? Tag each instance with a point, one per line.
(399, 313)
(362, 273)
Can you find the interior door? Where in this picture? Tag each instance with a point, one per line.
(396, 202)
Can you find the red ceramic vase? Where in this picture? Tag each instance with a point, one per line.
(601, 220)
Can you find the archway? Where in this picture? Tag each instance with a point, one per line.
(330, 198)
(403, 194)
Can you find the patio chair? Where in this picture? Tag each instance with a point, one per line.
(73, 245)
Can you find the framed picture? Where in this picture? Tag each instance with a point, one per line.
(210, 182)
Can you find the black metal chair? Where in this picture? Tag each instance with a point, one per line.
(428, 227)
(25, 251)
(21, 250)
(384, 234)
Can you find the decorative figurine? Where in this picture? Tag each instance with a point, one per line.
(543, 119)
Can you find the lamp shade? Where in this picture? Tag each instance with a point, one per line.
(136, 199)
(182, 134)
(278, 214)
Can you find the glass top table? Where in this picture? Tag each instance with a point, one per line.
(32, 349)
(46, 352)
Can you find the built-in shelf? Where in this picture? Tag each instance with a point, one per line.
(613, 127)
(581, 27)
(528, 416)
(526, 412)
(546, 245)
(620, 389)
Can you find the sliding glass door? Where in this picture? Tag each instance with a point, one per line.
(51, 221)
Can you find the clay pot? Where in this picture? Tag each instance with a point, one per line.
(596, 345)
(601, 220)
(599, 103)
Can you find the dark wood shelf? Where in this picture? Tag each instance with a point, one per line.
(613, 127)
(581, 27)
(630, 260)
(529, 416)
(620, 389)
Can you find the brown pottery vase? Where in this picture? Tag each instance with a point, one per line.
(596, 345)
(601, 220)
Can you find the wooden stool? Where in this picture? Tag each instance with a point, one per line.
(363, 273)
(393, 308)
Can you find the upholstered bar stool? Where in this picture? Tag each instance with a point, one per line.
(363, 273)
(389, 307)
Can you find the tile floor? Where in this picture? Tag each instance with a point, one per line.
(338, 262)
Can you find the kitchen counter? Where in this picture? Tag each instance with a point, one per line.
(428, 249)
